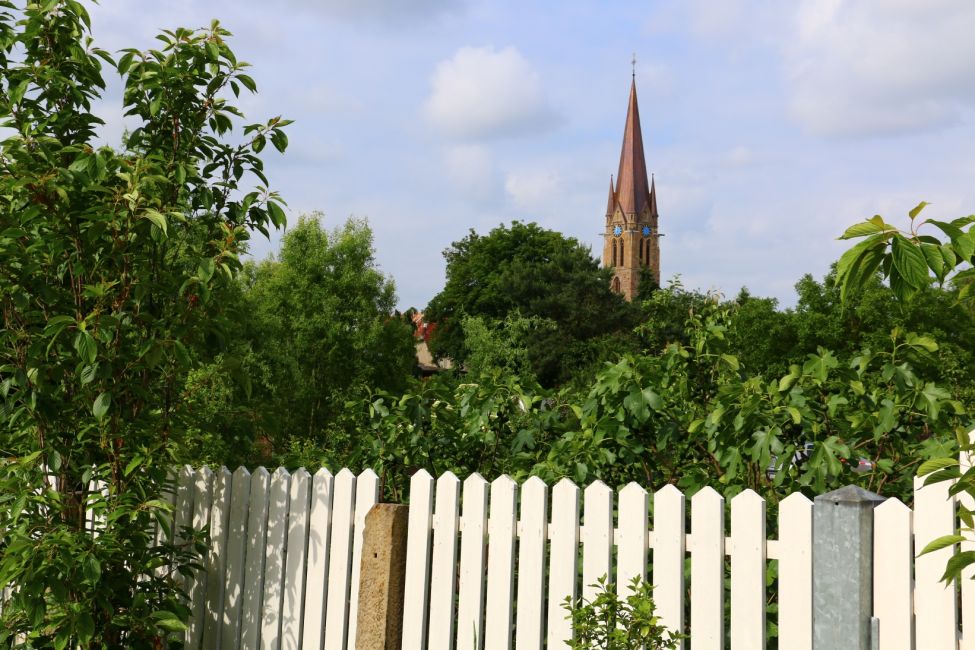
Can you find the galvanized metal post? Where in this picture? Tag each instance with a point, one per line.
(843, 568)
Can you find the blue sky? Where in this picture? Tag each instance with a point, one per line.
(770, 126)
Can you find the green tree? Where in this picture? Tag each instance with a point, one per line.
(537, 273)
(910, 261)
(114, 267)
(321, 319)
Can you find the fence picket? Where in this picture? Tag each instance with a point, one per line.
(216, 560)
(597, 537)
(502, 528)
(295, 560)
(233, 583)
(316, 580)
(748, 571)
(340, 561)
(470, 600)
(366, 496)
(196, 584)
(795, 572)
(253, 585)
(274, 558)
(564, 555)
(443, 574)
(533, 534)
(892, 602)
(934, 602)
(632, 542)
(707, 570)
(669, 551)
(417, 585)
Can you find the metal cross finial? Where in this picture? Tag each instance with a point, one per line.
(634, 65)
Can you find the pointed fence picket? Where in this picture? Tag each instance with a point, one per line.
(669, 551)
(502, 532)
(233, 584)
(597, 537)
(563, 559)
(197, 583)
(443, 576)
(473, 546)
(340, 561)
(418, 542)
(533, 534)
(294, 572)
(316, 570)
(795, 572)
(216, 560)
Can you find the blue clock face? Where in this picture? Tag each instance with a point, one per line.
(618, 230)
(646, 231)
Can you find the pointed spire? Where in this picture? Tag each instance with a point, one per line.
(631, 181)
(653, 196)
(611, 203)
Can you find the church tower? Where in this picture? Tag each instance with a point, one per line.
(631, 240)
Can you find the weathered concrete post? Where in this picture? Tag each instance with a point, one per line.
(382, 578)
(843, 568)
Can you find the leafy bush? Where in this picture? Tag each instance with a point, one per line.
(612, 622)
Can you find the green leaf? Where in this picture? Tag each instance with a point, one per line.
(917, 209)
(100, 408)
(133, 464)
(869, 227)
(88, 373)
(653, 399)
(157, 219)
(858, 263)
(86, 347)
(935, 464)
(909, 262)
(91, 568)
(936, 262)
(941, 542)
(965, 246)
(277, 215)
(796, 415)
(279, 140)
(731, 360)
(168, 621)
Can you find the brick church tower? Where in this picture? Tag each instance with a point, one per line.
(631, 238)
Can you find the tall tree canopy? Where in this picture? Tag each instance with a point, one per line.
(321, 319)
(115, 266)
(536, 273)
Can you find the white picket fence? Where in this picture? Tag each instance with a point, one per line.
(283, 568)
(490, 564)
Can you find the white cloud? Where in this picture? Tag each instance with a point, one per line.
(482, 92)
(866, 67)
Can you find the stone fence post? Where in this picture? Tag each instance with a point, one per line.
(382, 578)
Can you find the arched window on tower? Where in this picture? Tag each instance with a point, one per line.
(642, 257)
(622, 255)
(614, 252)
(616, 284)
